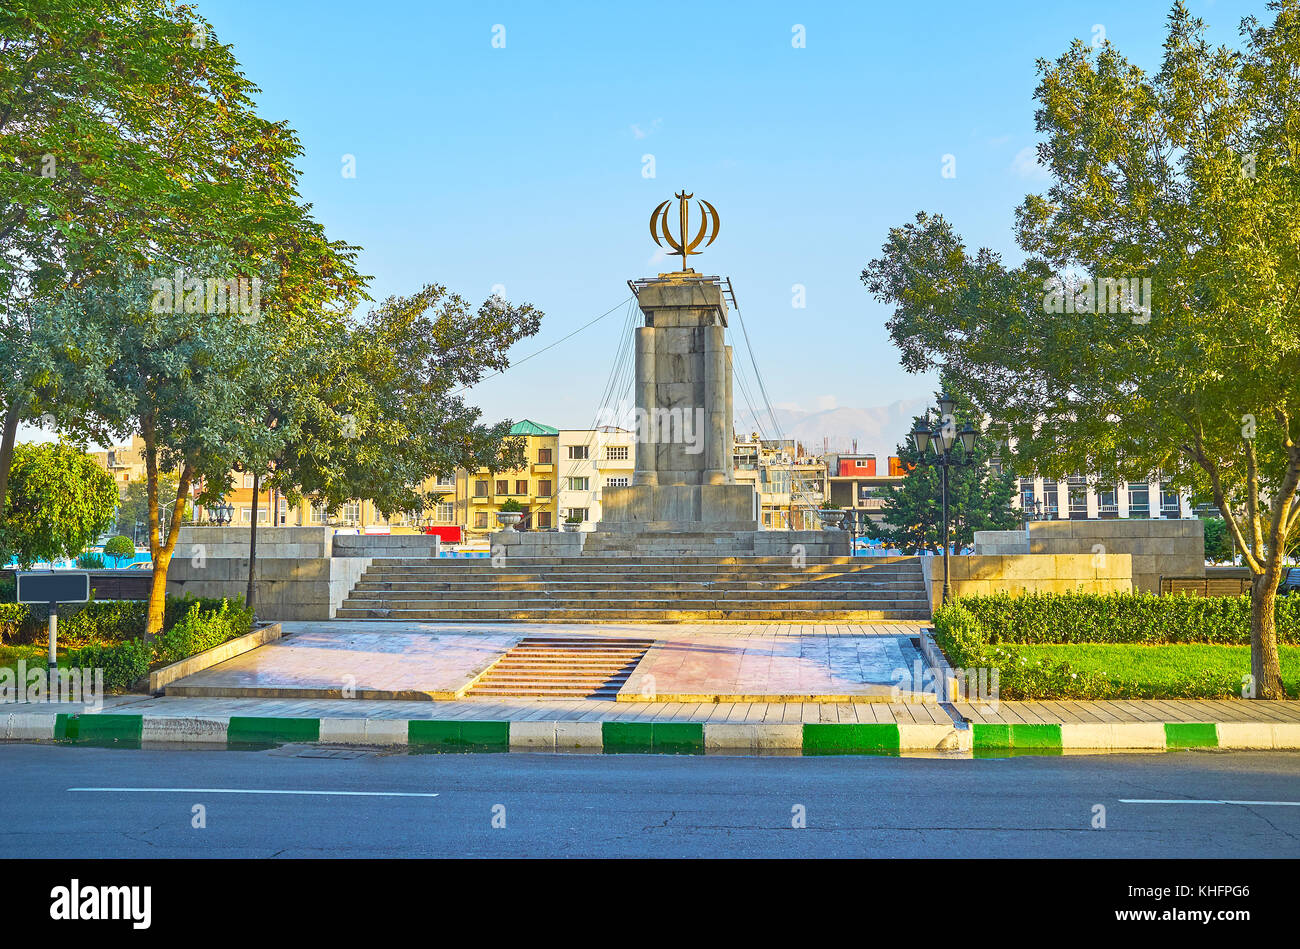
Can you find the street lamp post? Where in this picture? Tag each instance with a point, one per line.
(222, 513)
(935, 447)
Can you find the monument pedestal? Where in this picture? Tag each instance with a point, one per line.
(695, 508)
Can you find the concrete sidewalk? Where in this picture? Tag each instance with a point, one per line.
(687, 663)
(785, 727)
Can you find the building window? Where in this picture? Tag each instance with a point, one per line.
(351, 514)
(1139, 499)
(578, 484)
(543, 456)
(480, 520)
(445, 512)
(480, 489)
(544, 488)
(283, 511)
(1027, 494)
(1051, 500)
(444, 481)
(616, 452)
(1107, 503)
(577, 452)
(319, 515)
(248, 481)
(503, 486)
(544, 519)
(245, 515)
(1078, 502)
(616, 482)
(521, 486)
(263, 515)
(578, 512)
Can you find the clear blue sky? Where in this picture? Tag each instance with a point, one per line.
(522, 166)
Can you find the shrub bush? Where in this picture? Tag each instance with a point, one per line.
(104, 621)
(1123, 618)
(90, 561)
(987, 631)
(120, 548)
(124, 664)
(958, 632)
(13, 617)
(199, 629)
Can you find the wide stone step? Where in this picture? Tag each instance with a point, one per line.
(613, 615)
(808, 601)
(637, 583)
(685, 559)
(563, 666)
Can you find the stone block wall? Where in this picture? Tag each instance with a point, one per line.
(974, 574)
(298, 578)
(1171, 548)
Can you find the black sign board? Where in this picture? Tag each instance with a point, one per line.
(62, 586)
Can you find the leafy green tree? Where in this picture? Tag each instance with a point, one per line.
(1218, 545)
(61, 501)
(120, 548)
(128, 138)
(378, 410)
(1185, 184)
(979, 494)
(179, 379)
(133, 507)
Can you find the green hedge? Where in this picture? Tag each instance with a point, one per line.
(959, 634)
(201, 629)
(103, 621)
(12, 617)
(124, 663)
(984, 632)
(1123, 618)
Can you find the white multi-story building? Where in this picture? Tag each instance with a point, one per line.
(1075, 499)
(591, 460)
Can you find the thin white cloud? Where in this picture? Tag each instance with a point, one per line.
(638, 132)
(1025, 164)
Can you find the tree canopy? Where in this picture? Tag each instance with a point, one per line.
(1152, 326)
(61, 501)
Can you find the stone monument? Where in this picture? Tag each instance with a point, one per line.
(684, 498)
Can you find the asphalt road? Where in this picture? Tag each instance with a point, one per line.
(639, 805)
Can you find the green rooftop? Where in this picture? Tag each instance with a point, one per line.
(529, 427)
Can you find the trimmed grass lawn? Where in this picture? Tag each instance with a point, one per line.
(36, 655)
(1166, 670)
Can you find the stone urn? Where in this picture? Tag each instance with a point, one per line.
(830, 518)
(510, 519)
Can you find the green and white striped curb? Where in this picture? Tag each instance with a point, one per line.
(642, 737)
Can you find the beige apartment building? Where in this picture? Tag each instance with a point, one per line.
(790, 483)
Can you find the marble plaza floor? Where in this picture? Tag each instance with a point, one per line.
(688, 663)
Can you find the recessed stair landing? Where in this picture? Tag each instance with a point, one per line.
(562, 667)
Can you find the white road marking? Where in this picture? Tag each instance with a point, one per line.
(1130, 800)
(261, 791)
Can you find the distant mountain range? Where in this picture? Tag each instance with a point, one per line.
(878, 430)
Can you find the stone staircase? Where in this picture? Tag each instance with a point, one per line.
(642, 589)
(563, 667)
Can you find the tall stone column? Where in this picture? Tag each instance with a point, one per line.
(715, 403)
(729, 422)
(644, 468)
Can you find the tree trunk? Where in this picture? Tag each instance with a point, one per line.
(7, 441)
(1265, 667)
(252, 546)
(160, 551)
